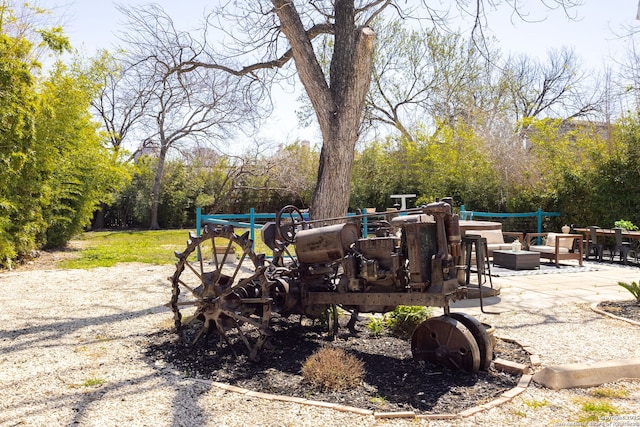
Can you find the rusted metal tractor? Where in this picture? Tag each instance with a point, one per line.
(316, 268)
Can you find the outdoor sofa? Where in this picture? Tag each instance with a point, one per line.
(496, 239)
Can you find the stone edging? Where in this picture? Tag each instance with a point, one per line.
(501, 364)
(595, 308)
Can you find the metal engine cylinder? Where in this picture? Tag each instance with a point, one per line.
(325, 244)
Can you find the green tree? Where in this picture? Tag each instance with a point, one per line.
(606, 190)
(449, 163)
(555, 150)
(291, 175)
(22, 191)
(53, 167)
(453, 162)
(375, 175)
(82, 172)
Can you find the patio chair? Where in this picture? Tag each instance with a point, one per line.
(556, 247)
(593, 246)
(621, 247)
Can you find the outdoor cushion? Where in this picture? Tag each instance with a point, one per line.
(493, 236)
(495, 240)
(548, 249)
(563, 243)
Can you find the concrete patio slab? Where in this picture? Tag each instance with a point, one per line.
(547, 290)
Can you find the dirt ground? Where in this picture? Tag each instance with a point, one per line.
(63, 328)
(391, 371)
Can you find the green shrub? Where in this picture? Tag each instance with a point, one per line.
(333, 369)
(632, 287)
(376, 326)
(405, 318)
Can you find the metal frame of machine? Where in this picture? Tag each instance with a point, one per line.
(320, 265)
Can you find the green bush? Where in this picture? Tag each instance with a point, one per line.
(376, 326)
(632, 287)
(333, 369)
(405, 318)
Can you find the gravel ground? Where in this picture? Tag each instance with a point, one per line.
(73, 351)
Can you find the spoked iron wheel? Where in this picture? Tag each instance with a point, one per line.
(447, 342)
(220, 278)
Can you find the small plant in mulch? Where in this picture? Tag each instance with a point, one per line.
(401, 322)
(334, 369)
(376, 326)
(405, 319)
(632, 287)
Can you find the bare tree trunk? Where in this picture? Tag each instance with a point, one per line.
(340, 133)
(98, 218)
(338, 106)
(155, 194)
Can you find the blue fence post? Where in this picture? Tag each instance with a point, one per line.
(365, 223)
(539, 220)
(198, 220)
(198, 225)
(252, 228)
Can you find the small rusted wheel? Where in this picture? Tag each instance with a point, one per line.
(446, 342)
(288, 221)
(480, 334)
(220, 278)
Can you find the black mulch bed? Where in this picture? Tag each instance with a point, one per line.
(393, 381)
(627, 309)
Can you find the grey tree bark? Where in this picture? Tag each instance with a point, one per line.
(338, 106)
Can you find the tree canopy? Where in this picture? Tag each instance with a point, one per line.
(53, 163)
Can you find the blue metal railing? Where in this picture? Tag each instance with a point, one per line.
(237, 220)
(539, 214)
(254, 221)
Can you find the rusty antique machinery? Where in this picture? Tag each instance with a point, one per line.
(234, 293)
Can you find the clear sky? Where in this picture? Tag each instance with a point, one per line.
(92, 24)
(593, 29)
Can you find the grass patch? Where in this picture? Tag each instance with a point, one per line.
(536, 403)
(609, 392)
(90, 382)
(519, 413)
(107, 248)
(379, 401)
(597, 409)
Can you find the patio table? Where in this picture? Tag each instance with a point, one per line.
(517, 260)
(610, 232)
